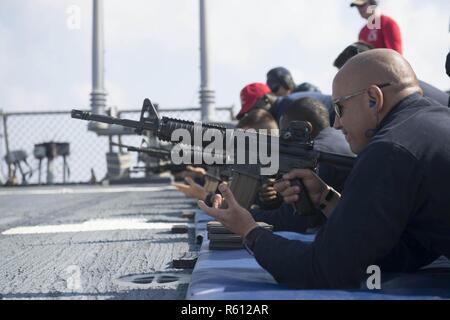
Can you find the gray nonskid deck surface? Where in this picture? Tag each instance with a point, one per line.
(90, 264)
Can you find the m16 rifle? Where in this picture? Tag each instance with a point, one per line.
(159, 153)
(297, 152)
(162, 128)
(295, 147)
(213, 177)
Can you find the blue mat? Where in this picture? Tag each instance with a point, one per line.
(235, 275)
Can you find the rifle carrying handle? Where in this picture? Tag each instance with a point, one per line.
(304, 205)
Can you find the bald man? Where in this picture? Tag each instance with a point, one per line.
(429, 91)
(394, 211)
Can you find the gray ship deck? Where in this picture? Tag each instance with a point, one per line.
(84, 242)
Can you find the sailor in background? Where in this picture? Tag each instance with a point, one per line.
(380, 31)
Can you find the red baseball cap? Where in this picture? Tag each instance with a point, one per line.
(249, 95)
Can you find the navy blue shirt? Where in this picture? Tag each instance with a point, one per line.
(285, 219)
(333, 141)
(434, 93)
(394, 211)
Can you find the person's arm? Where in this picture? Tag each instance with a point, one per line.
(322, 195)
(285, 219)
(364, 228)
(407, 256)
(392, 36)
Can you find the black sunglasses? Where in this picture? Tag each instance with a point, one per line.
(337, 102)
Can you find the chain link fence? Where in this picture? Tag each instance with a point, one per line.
(22, 131)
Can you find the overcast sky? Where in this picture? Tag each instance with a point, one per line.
(152, 47)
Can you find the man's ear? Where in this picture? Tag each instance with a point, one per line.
(312, 129)
(376, 98)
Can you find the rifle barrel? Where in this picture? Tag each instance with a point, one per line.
(85, 115)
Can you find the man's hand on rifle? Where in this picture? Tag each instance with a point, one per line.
(193, 172)
(234, 218)
(196, 171)
(191, 189)
(268, 196)
(314, 185)
(316, 188)
(268, 192)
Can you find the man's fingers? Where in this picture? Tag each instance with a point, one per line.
(190, 181)
(269, 198)
(298, 173)
(196, 170)
(290, 191)
(269, 193)
(181, 186)
(226, 192)
(291, 199)
(267, 189)
(281, 186)
(217, 201)
(213, 212)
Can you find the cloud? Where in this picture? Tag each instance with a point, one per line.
(170, 24)
(44, 59)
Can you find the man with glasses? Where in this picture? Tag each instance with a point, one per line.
(394, 211)
(429, 91)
